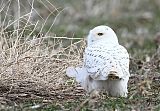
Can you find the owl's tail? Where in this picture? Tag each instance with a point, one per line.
(113, 74)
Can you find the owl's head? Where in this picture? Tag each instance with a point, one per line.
(102, 33)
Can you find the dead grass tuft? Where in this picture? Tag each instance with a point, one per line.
(38, 66)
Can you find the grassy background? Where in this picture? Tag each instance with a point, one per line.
(40, 39)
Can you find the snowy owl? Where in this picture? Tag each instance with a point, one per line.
(105, 64)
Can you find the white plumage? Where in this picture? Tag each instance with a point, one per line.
(106, 64)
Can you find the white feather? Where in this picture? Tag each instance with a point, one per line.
(71, 72)
(102, 56)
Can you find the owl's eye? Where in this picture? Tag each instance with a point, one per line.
(100, 34)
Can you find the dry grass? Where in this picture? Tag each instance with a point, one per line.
(33, 65)
(35, 69)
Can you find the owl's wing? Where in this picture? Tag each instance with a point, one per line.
(100, 61)
(121, 56)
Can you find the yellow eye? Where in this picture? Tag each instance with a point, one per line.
(100, 34)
